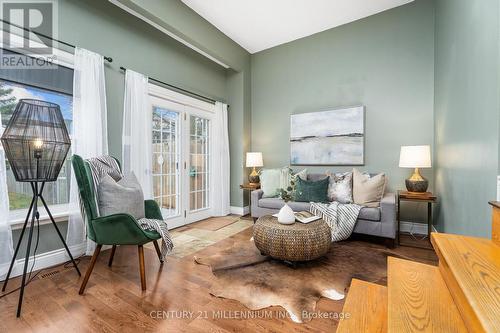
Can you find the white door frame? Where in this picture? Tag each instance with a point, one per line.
(186, 106)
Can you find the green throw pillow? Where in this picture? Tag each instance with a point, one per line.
(310, 191)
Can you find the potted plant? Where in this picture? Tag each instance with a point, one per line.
(286, 214)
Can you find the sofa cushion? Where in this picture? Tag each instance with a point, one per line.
(276, 203)
(366, 213)
(370, 214)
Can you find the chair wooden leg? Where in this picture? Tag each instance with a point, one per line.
(90, 268)
(142, 267)
(112, 255)
(158, 252)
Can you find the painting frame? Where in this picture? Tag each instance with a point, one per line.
(358, 138)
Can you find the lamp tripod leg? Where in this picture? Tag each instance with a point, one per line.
(59, 233)
(26, 259)
(18, 245)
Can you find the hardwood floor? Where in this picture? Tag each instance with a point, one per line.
(177, 298)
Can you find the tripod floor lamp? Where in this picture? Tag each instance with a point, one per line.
(36, 143)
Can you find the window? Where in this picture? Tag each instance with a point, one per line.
(53, 85)
(20, 194)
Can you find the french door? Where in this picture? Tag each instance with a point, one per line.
(181, 156)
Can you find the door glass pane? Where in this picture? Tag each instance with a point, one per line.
(199, 153)
(166, 160)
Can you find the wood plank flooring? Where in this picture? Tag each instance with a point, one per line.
(177, 298)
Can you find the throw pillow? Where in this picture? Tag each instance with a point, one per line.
(311, 191)
(340, 187)
(270, 182)
(302, 174)
(367, 191)
(123, 196)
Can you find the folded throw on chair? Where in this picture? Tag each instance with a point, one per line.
(107, 165)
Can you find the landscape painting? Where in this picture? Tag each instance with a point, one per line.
(335, 137)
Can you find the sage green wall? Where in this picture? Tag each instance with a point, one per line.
(176, 17)
(384, 62)
(106, 29)
(466, 113)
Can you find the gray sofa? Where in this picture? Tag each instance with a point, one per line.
(379, 222)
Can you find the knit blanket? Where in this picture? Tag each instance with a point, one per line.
(107, 165)
(340, 217)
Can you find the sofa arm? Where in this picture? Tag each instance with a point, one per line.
(255, 197)
(388, 215)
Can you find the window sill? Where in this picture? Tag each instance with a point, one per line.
(59, 213)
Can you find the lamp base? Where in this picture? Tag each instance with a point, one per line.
(33, 211)
(417, 183)
(253, 178)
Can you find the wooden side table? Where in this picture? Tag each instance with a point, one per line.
(250, 188)
(416, 197)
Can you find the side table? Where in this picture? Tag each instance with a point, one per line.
(427, 197)
(250, 187)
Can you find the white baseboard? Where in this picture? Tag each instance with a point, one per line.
(418, 228)
(44, 260)
(240, 210)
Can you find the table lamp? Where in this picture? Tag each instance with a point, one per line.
(36, 143)
(416, 157)
(254, 160)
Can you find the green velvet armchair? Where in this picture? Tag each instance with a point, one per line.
(116, 229)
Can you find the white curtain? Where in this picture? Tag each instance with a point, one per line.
(89, 136)
(137, 130)
(6, 249)
(220, 170)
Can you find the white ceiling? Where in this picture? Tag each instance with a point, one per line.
(257, 25)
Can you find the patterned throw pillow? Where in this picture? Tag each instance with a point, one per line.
(340, 187)
(310, 191)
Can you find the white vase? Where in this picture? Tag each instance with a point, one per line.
(286, 215)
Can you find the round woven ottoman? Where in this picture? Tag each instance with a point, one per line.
(296, 242)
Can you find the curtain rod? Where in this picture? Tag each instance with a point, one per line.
(108, 59)
(204, 98)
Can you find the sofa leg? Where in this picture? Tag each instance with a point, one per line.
(254, 220)
(390, 243)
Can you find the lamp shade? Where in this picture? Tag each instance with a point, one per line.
(36, 141)
(254, 160)
(415, 157)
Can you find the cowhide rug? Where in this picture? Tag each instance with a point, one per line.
(258, 282)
